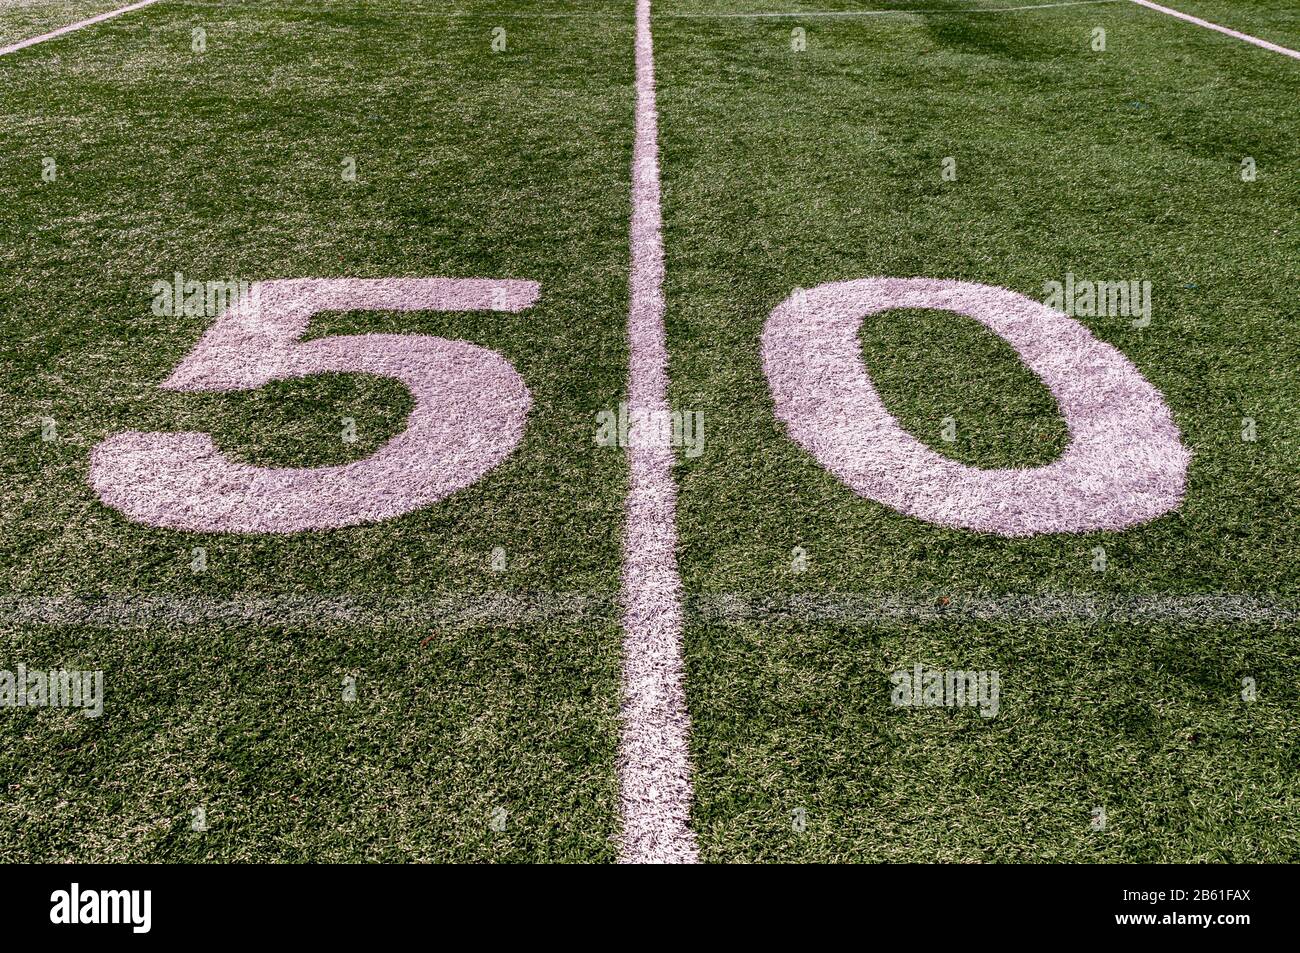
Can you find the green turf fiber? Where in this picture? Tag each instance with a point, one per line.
(227, 164)
(24, 19)
(479, 692)
(1277, 21)
(786, 169)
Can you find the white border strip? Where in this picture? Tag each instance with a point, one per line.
(1221, 29)
(23, 44)
(654, 757)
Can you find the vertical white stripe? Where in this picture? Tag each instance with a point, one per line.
(1222, 29)
(654, 762)
(23, 44)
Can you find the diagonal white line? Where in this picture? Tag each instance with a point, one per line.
(71, 27)
(654, 757)
(1285, 51)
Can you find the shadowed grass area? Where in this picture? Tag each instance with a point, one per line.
(1007, 36)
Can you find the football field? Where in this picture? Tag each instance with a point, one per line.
(592, 431)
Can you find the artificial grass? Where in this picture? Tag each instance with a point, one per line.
(1274, 20)
(24, 19)
(787, 169)
(780, 169)
(227, 164)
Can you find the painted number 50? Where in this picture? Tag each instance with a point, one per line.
(1125, 463)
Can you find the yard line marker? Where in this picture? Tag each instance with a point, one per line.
(1221, 29)
(23, 44)
(654, 756)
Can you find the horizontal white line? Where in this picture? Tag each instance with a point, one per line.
(71, 27)
(491, 15)
(853, 608)
(163, 612)
(1265, 44)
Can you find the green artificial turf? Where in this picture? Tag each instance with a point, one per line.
(1277, 21)
(787, 169)
(471, 163)
(484, 725)
(24, 19)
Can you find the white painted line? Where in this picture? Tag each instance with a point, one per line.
(407, 13)
(1265, 44)
(654, 757)
(184, 614)
(23, 44)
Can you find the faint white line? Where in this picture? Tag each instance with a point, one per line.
(654, 755)
(23, 44)
(703, 15)
(163, 612)
(1221, 29)
(851, 608)
(478, 15)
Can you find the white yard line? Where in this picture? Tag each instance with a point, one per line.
(654, 757)
(72, 27)
(1265, 44)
